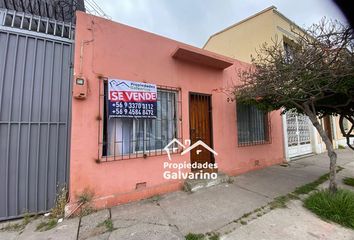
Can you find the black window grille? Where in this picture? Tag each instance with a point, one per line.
(125, 138)
(252, 125)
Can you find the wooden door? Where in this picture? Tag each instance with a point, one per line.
(200, 127)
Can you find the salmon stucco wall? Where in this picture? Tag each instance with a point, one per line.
(109, 49)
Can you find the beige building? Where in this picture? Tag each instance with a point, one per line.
(241, 40)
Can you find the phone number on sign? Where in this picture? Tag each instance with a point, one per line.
(135, 112)
(134, 105)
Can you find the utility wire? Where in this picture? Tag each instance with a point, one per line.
(93, 8)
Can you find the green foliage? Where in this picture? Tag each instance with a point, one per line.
(59, 208)
(214, 236)
(26, 219)
(18, 226)
(155, 198)
(340, 146)
(200, 236)
(305, 189)
(46, 225)
(85, 200)
(195, 236)
(246, 215)
(108, 224)
(337, 207)
(318, 72)
(348, 181)
(13, 227)
(86, 210)
(279, 202)
(85, 197)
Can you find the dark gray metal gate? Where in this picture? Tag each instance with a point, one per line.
(35, 90)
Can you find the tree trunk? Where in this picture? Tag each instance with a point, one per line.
(330, 151)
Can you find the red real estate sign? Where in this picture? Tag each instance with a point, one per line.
(131, 99)
(129, 96)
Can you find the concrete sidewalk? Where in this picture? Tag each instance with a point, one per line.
(174, 215)
(291, 223)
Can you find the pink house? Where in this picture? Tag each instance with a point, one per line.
(121, 159)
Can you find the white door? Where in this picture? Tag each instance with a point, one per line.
(299, 136)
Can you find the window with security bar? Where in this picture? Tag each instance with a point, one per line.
(252, 125)
(125, 138)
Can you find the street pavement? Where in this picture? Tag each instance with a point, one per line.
(174, 215)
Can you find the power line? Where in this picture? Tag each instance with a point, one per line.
(93, 8)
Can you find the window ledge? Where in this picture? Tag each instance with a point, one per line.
(251, 144)
(106, 159)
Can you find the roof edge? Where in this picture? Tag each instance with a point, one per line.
(242, 21)
(202, 57)
(288, 20)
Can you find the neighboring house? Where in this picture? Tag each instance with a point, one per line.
(36, 40)
(241, 40)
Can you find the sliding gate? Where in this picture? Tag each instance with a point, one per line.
(35, 86)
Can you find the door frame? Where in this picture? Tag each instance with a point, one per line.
(210, 114)
(307, 148)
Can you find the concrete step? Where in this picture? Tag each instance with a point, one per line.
(192, 185)
(301, 157)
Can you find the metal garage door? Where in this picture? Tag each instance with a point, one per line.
(35, 87)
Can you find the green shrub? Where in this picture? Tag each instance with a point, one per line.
(348, 181)
(337, 207)
(305, 189)
(194, 236)
(58, 210)
(108, 224)
(214, 236)
(243, 222)
(46, 225)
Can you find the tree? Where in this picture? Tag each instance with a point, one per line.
(312, 75)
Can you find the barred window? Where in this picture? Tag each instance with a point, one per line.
(252, 125)
(133, 137)
(289, 55)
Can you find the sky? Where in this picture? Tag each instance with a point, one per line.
(193, 21)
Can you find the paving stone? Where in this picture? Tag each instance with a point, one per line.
(8, 235)
(89, 224)
(104, 236)
(292, 223)
(146, 211)
(146, 231)
(174, 215)
(66, 230)
(211, 208)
